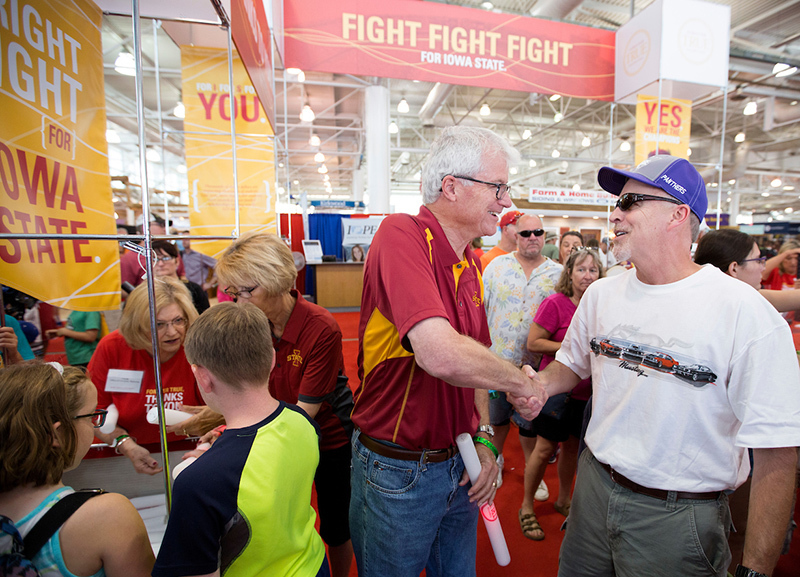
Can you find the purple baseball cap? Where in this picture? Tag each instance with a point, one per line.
(675, 176)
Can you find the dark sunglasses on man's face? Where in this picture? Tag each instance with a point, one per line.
(528, 233)
(627, 200)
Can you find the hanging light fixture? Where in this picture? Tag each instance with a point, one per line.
(485, 110)
(688, 152)
(586, 142)
(179, 111)
(558, 117)
(402, 106)
(513, 170)
(125, 64)
(750, 109)
(554, 97)
(576, 187)
(112, 137)
(307, 115)
(322, 169)
(532, 163)
(393, 128)
(555, 153)
(739, 137)
(625, 146)
(314, 139)
(526, 134)
(152, 155)
(319, 157)
(301, 76)
(782, 69)
(776, 182)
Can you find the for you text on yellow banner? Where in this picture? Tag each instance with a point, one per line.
(53, 157)
(209, 158)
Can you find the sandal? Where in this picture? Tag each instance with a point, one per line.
(563, 509)
(530, 526)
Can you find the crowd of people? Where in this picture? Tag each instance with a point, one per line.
(650, 385)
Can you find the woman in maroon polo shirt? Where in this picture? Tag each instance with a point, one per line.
(309, 371)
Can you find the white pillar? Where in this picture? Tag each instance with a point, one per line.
(733, 208)
(376, 118)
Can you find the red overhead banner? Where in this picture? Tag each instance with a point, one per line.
(452, 44)
(250, 32)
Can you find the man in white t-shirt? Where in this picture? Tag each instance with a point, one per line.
(690, 367)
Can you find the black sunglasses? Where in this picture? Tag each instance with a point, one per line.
(528, 233)
(627, 200)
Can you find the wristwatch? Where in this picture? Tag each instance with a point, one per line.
(488, 429)
(742, 571)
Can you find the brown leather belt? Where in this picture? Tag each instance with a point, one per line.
(623, 481)
(437, 456)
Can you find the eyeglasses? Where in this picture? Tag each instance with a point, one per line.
(98, 417)
(158, 259)
(528, 233)
(502, 189)
(627, 200)
(760, 260)
(178, 323)
(242, 292)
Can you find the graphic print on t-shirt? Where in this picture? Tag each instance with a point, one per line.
(643, 359)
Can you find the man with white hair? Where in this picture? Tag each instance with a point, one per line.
(677, 353)
(423, 341)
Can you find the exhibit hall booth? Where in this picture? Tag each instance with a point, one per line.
(129, 122)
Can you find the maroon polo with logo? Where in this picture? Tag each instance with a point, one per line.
(308, 358)
(412, 274)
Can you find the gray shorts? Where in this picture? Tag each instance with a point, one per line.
(501, 412)
(612, 531)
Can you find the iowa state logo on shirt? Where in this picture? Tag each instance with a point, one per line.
(476, 299)
(295, 358)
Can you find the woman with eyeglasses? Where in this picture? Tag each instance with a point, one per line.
(47, 424)
(166, 263)
(737, 254)
(122, 370)
(548, 329)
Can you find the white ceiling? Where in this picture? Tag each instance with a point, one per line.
(763, 32)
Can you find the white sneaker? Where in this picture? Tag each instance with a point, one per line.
(542, 493)
(500, 462)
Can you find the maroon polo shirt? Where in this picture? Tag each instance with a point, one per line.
(412, 274)
(308, 359)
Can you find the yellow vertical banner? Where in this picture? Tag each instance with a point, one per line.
(209, 158)
(670, 124)
(53, 156)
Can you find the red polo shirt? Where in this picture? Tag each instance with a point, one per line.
(412, 274)
(308, 361)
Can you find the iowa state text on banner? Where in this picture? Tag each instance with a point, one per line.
(440, 43)
(209, 158)
(53, 156)
(670, 124)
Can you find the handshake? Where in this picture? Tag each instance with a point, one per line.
(529, 402)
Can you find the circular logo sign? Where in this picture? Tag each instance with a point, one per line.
(695, 41)
(489, 512)
(636, 52)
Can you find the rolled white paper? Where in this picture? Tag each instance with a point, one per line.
(178, 469)
(171, 416)
(470, 457)
(111, 420)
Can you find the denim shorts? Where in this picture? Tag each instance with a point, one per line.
(612, 531)
(502, 412)
(406, 516)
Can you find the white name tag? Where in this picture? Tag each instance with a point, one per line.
(119, 381)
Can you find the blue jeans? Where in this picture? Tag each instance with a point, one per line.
(612, 531)
(406, 516)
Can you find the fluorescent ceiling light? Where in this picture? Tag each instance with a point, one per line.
(782, 69)
(125, 64)
(513, 170)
